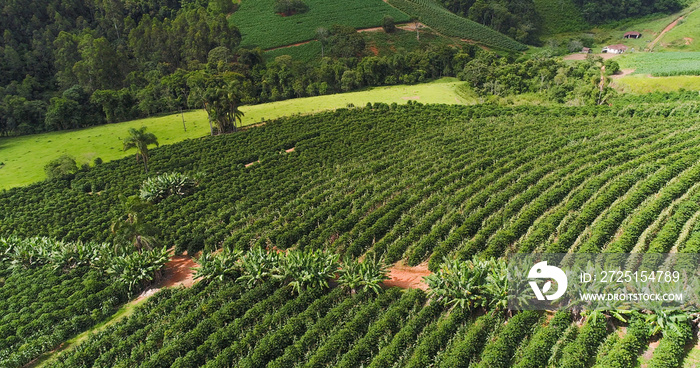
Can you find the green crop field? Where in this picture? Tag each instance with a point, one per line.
(661, 64)
(449, 24)
(260, 26)
(411, 183)
(645, 84)
(24, 157)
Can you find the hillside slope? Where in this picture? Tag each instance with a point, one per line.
(447, 23)
(261, 27)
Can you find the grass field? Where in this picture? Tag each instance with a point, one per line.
(260, 26)
(645, 84)
(609, 34)
(24, 157)
(661, 63)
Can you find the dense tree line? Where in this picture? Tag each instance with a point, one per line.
(517, 19)
(599, 11)
(57, 58)
(117, 62)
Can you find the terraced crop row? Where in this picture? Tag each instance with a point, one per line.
(223, 325)
(42, 307)
(414, 182)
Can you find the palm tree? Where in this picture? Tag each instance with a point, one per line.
(219, 95)
(140, 139)
(133, 228)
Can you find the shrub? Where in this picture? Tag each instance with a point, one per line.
(290, 7)
(388, 24)
(61, 167)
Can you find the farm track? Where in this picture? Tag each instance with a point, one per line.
(658, 38)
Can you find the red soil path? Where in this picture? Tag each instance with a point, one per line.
(178, 272)
(407, 277)
(668, 28)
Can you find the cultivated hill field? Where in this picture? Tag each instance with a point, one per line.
(371, 228)
(262, 28)
(412, 183)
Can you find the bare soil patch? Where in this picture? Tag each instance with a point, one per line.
(178, 272)
(412, 26)
(286, 46)
(688, 41)
(290, 150)
(407, 277)
(650, 351)
(371, 29)
(622, 73)
(251, 163)
(579, 56)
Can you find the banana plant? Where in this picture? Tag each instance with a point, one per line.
(258, 265)
(221, 266)
(370, 274)
(138, 269)
(308, 269)
(667, 321)
(459, 283)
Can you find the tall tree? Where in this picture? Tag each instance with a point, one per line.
(219, 96)
(140, 139)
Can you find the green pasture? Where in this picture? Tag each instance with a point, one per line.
(24, 157)
(261, 26)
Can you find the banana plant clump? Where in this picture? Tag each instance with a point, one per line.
(130, 266)
(300, 269)
(471, 284)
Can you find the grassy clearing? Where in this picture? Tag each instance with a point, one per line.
(662, 63)
(649, 26)
(24, 157)
(260, 26)
(693, 358)
(644, 84)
